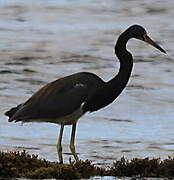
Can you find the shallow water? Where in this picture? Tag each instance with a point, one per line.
(45, 40)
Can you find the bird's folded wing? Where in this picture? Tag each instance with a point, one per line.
(55, 100)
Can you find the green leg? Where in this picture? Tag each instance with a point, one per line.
(72, 147)
(59, 145)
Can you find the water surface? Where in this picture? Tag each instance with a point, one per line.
(45, 40)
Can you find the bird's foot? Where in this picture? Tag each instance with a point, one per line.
(60, 162)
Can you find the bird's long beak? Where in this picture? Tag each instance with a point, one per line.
(148, 40)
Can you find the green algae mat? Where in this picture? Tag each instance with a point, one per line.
(24, 165)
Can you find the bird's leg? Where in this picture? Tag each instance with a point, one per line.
(72, 147)
(59, 145)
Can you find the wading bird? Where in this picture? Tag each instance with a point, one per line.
(65, 100)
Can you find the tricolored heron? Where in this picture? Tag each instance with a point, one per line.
(65, 100)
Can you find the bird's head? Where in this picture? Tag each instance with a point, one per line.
(138, 32)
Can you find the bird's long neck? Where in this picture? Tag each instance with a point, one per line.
(118, 83)
(111, 90)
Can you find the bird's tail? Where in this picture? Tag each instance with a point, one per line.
(11, 113)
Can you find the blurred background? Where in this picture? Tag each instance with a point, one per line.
(43, 40)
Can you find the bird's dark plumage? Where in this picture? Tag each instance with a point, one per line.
(57, 99)
(65, 100)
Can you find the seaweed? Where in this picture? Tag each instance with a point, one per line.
(23, 165)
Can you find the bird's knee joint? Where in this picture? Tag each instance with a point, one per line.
(72, 147)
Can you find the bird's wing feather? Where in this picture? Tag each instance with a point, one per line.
(56, 99)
